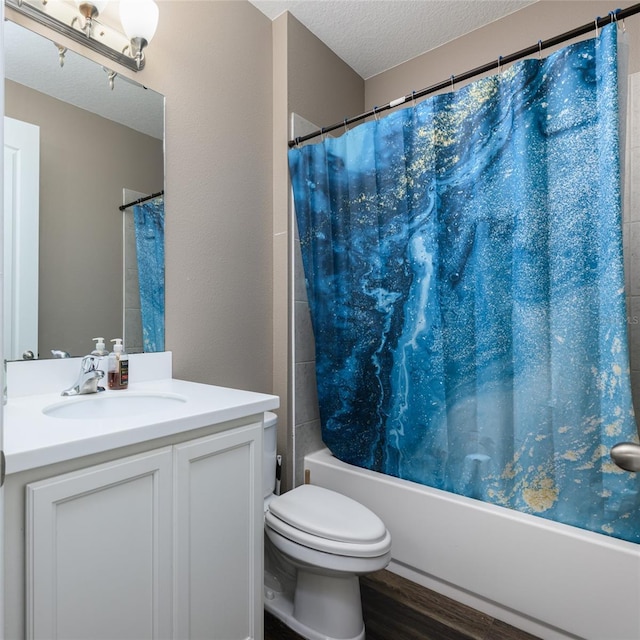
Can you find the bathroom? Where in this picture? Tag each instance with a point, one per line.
(231, 78)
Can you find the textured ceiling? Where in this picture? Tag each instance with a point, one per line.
(372, 36)
(32, 60)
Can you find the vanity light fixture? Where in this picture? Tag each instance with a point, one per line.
(80, 20)
(139, 20)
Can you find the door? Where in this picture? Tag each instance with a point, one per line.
(2, 352)
(21, 213)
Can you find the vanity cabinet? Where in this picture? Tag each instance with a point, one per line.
(166, 543)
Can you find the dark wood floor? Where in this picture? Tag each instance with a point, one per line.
(397, 609)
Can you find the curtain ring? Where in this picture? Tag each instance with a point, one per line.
(375, 114)
(614, 18)
(539, 49)
(345, 126)
(322, 134)
(596, 23)
(453, 82)
(499, 64)
(413, 98)
(296, 142)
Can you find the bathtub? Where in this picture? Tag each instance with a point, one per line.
(550, 579)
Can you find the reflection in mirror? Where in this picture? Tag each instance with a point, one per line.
(144, 271)
(93, 143)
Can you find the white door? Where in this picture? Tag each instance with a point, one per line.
(2, 355)
(21, 206)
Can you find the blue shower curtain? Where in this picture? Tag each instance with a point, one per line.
(149, 230)
(463, 261)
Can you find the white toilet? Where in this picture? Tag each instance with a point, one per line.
(317, 543)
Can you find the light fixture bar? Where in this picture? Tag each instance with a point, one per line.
(106, 40)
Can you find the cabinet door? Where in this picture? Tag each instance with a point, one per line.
(218, 536)
(99, 551)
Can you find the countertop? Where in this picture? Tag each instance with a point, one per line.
(33, 439)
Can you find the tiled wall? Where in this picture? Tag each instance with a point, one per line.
(307, 419)
(631, 233)
(307, 423)
(132, 316)
(306, 436)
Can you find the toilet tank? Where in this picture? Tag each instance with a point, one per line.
(270, 442)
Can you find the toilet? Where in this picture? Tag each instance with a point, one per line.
(317, 544)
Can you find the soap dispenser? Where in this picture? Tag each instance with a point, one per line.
(100, 349)
(118, 376)
(101, 353)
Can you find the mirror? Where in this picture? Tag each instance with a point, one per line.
(96, 146)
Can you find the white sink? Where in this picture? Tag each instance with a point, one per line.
(120, 404)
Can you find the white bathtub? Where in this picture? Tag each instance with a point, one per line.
(552, 580)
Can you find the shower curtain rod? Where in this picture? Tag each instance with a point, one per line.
(141, 200)
(618, 14)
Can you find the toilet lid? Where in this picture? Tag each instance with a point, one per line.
(327, 514)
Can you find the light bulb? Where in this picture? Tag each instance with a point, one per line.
(91, 8)
(139, 18)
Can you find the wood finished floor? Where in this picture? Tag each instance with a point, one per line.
(397, 609)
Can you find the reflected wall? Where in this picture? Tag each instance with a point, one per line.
(85, 163)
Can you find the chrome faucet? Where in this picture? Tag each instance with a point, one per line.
(59, 353)
(88, 378)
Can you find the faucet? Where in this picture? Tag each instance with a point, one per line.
(88, 378)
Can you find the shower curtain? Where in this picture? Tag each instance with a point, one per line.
(463, 261)
(149, 229)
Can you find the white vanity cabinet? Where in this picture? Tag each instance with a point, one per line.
(166, 543)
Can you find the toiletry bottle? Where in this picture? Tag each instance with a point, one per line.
(102, 354)
(100, 349)
(118, 376)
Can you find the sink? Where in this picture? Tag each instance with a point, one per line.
(100, 405)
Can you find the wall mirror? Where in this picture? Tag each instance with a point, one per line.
(94, 147)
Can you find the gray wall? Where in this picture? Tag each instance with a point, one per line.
(85, 161)
(212, 61)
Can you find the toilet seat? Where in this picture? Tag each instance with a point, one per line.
(328, 521)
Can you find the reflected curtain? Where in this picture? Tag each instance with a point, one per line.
(149, 230)
(463, 261)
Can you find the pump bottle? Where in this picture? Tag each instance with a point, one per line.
(100, 349)
(102, 354)
(118, 375)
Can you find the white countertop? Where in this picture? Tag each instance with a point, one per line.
(33, 439)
